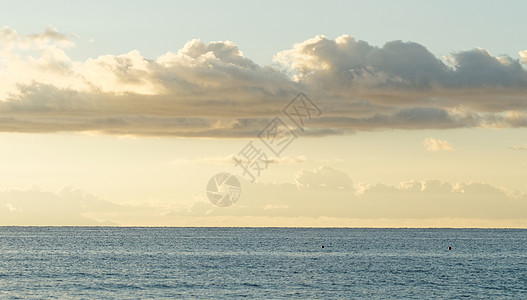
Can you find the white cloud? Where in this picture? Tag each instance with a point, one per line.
(10, 38)
(523, 55)
(433, 144)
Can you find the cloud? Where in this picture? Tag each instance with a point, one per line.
(318, 197)
(229, 160)
(440, 199)
(75, 207)
(68, 206)
(213, 90)
(523, 55)
(519, 148)
(318, 193)
(433, 144)
(323, 177)
(346, 61)
(10, 38)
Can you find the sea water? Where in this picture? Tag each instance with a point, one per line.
(306, 263)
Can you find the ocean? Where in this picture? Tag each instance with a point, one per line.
(269, 263)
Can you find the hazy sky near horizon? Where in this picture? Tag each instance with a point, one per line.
(119, 112)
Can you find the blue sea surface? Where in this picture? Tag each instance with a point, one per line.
(116, 262)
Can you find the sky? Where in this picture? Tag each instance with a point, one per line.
(388, 114)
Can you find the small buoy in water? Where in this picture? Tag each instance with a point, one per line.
(322, 246)
(449, 248)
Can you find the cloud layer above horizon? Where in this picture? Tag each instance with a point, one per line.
(323, 192)
(212, 90)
